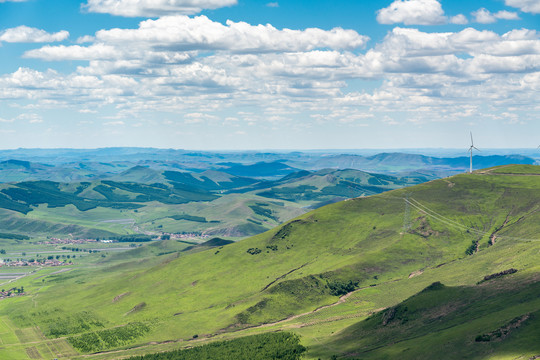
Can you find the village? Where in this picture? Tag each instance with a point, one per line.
(12, 292)
(160, 236)
(184, 236)
(57, 241)
(50, 261)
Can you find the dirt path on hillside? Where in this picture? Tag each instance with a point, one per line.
(340, 301)
(203, 338)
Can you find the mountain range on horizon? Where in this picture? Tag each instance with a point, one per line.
(78, 165)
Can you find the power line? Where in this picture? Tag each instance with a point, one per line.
(407, 214)
(421, 207)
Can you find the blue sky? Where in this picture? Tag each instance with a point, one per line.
(295, 74)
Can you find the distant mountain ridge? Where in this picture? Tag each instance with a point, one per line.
(147, 165)
(396, 162)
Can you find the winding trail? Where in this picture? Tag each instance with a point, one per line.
(341, 300)
(283, 276)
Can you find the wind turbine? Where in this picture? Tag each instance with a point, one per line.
(470, 150)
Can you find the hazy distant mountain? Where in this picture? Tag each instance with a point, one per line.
(208, 180)
(260, 169)
(20, 170)
(148, 165)
(396, 162)
(140, 174)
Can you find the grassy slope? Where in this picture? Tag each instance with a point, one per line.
(448, 320)
(363, 240)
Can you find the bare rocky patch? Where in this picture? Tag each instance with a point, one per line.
(118, 297)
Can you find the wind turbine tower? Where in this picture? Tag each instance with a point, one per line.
(471, 150)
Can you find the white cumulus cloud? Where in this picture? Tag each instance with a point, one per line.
(412, 12)
(25, 34)
(200, 33)
(529, 6)
(153, 8)
(178, 39)
(458, 19)
(74, 52)
(484, 16)
(193, 67)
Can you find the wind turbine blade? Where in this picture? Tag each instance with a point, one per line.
(472, 142)
(476, 148)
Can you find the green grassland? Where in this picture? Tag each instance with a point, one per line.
(515, 169)
(352, 279)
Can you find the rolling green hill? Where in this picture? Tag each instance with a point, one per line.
(212, 203)
(328, 185)
(398, 274)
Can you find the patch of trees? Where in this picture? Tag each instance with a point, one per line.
(278, 346)
(108, 338)
(7, 203)
(132, 238)
(344, 189)
(504, 330)
(22, 196)
(272, 247)
(57, 326)
(472, 248)
(340, 288)
(254, 221)
(189, 218)
(156, 192)
(254, 251)
(110, 195)
(263, 210)
(82, 186)
(75, 249)
(497, 275)
(25, 194)
(301, 192)
(13, 236)
(186, 179)
(377, 181)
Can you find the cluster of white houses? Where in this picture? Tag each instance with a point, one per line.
(55, 241)
(40, 262)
